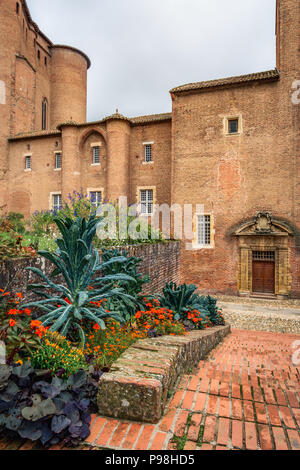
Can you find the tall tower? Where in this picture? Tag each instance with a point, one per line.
(288, 37)
(68, 85)
(10, 32)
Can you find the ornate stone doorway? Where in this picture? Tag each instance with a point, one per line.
(264, 263)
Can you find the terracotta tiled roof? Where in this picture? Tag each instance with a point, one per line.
(270, 75)
(116, 116)
(151, 118)
(30, 135)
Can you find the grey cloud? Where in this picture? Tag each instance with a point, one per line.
(140, 49)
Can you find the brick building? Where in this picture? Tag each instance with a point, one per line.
(230, 144)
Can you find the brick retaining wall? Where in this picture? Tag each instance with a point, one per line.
(161, 261)
(136, 387)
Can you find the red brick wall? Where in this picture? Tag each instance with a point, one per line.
(160, 261)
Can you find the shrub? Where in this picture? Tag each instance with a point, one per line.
(158, 321)
(78, 263)
(36, 406)
(18, 331)
(79, 204)
(183, 299)
(179, 299)
(57, 355)
(105, 346)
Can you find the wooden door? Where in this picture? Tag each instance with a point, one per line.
(263, 276)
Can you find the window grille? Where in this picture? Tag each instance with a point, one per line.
(96, 155)
(263, 255)
(96, 198)
(56, 202)
(28, 163)
(204, 230)
(58, 161)
(148, 153)
(146, 201)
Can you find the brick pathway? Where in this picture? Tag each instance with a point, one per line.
(245, 395)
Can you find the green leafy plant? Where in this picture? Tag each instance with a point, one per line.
(57, 354)
(180, 299)
(20, 334)
(77, 262)
(183, 298)
(134, 288)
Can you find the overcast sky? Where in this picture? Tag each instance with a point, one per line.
(140, 49)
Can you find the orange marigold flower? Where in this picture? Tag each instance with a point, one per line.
(96, 327)
(12, 322)
(19, 295)
(13, 311)
(138, 315)
(35, 323)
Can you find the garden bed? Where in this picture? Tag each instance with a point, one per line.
(137, 385)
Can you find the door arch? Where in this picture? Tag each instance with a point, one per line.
(264, 258)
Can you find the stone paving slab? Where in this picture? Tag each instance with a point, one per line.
(244, 396)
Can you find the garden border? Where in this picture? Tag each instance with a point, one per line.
(137, 385)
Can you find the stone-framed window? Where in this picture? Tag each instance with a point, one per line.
(56, 202)
(148, 152)
(96, 198)
(233, 125)
(204, 230)
(27, 162)
(96, 149)
(146, 201)
(58, 160)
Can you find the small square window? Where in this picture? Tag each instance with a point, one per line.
(56, 202)
(233, 126)
(28, 163)
(58, 161)
(148, 153)
(96, 198)
(96, 155)
(204, 230)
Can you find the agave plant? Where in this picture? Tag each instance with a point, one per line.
(77, 263)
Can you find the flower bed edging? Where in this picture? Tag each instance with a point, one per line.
(136, 387)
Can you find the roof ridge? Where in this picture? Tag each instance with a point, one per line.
(266, 75)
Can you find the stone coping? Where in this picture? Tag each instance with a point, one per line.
(137, 385)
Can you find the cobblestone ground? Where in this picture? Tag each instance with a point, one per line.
(245, 395)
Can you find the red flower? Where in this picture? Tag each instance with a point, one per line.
(12, 322)
(96, 327)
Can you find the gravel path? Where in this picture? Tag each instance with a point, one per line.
(275, 316)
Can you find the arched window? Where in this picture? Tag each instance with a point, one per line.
(44, 114)
(17, 8)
